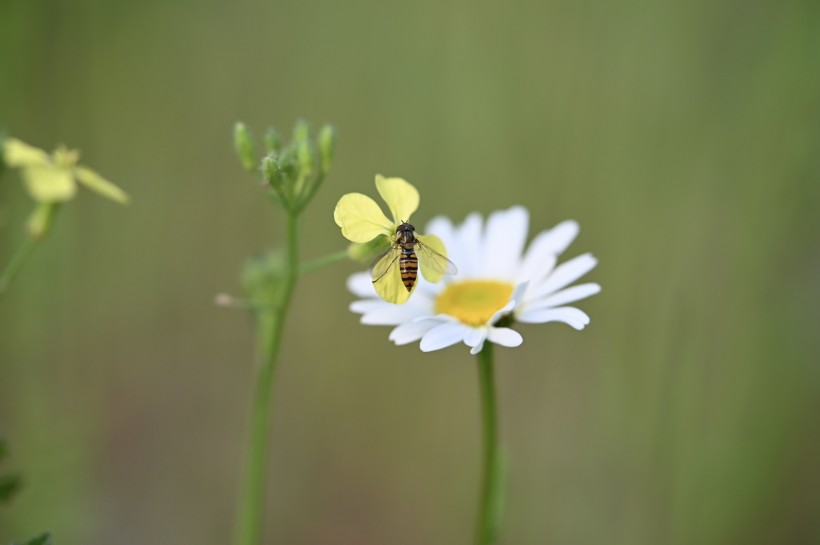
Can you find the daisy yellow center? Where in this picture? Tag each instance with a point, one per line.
(473, 302)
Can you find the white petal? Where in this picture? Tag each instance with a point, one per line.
(477, 348)
(565, 274)
(500, 313)
(475, 337)
(537, 265)
(456, 251)
(471, 228)
(468, 248)
(559, 238)
(518, 293)
(363, 306)
(412, 331)
(568, 315)
(505, 336)
(504, 242)
(392, 315)
(443, 228)
(543, 251)
(361, 284)
(511, 305)
(442, 336)
(569, 295)
(427, 290)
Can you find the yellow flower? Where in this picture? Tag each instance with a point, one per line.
(53, 178)
(362, 221)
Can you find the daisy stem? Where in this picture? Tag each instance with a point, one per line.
(489, 510)
(270, 323)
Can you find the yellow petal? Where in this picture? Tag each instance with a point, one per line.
(401, 197)
(387, 282)
(432, 255)
(19, 154)
(97, 183)
(361, 219)
(49, 183)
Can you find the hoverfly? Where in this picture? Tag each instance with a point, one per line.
(395, 271)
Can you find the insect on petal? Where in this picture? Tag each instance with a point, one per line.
(361, 219)
(389, 286)
(401, 197)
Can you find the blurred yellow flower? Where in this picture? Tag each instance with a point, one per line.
(53, 178)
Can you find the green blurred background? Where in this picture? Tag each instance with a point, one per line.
(684, 136)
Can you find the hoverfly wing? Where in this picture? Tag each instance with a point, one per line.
(383, 262)
(386, 275)
(432, 261)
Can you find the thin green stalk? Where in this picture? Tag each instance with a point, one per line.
(324, 260)
(38, 226)
(489, 510)
(16, 263)
(270, 323)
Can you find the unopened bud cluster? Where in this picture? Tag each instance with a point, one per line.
(294, 172)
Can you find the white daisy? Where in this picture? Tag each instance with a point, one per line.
(497, 284)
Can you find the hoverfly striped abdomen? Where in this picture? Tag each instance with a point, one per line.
(409, 265)
(408, 262)
(395, 271)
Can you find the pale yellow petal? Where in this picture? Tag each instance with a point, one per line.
(386, 273)
(49, 184)
(19, 154)
(361, 219)
(401, 197)
(98, 184)
(432, 255)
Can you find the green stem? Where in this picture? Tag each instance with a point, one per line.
(322, 261)
(38, 226)
(16, 263)
(489, 511)
(270, 322)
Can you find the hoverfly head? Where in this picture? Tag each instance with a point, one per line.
(404, 227)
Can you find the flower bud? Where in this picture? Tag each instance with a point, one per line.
(306, 156)
(273, 142)
(288, 165)
(243, 143)
(270, 169)
(301, 131)
(275, 177)
(327, 145)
